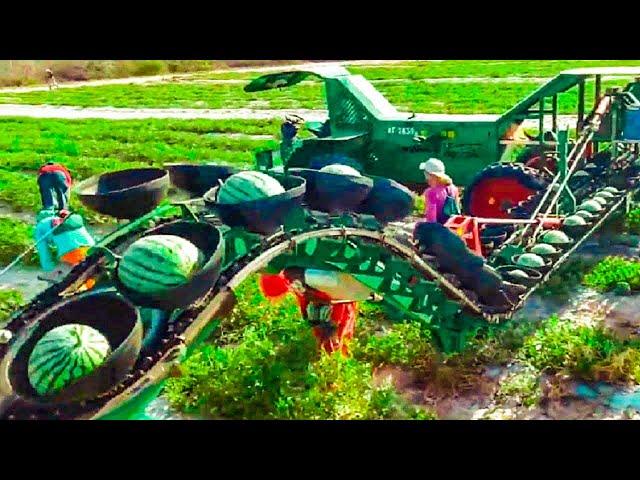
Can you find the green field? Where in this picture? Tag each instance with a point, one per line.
(401, 85)
(406, 96)
(424, 69)
(89, 147)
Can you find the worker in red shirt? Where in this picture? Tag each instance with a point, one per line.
(327, 300)
(54, 182)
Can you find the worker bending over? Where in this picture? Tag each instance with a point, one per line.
(65, 233)
(327, 300)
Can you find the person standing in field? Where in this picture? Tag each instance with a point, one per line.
(442, 199)
(51, 79)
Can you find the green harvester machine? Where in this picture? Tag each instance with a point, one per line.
(523, 216)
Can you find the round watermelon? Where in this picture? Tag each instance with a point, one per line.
(518, 274)
(248, 186)
(530, 260)
(340, 170)
(591, 206)
(555, 237)
(613, 190)
(574, 221)
(605, 194)
(157, 263)
(601, 200)
(543, 249)
(64, 355)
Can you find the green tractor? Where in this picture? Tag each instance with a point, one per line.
(365, 131)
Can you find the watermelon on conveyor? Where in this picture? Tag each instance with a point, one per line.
(158, 263)
(339, 169)
(64, 355)
(248, 186)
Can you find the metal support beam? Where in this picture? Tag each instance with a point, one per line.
(541, 124)
(596, 101)
(580, 107)
(568, 199)
(554, 112)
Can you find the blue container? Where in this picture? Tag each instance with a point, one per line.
(631, 129)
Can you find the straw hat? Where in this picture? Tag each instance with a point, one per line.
(435, 167)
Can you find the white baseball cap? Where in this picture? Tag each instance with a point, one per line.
(433, 166)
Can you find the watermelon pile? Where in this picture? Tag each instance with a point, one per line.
(64, 355)
(248, 186)
(157, 263)
(340, 169)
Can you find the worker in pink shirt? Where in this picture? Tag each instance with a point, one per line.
(441, 197)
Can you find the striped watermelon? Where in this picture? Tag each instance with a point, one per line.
(247, 186)
(339, 169)
(157, 263)
(64, 355)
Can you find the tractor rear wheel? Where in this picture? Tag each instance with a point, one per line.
(499, 189)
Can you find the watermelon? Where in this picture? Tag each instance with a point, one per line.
(622, 288)
(613, 190)
(591, 206)
(339, 169)
(518, 274)
(543, 249)
(602, 201)
(66, 354)
(574, 221)
(530, 260)
(248, 186)
(555, 237)
(157, 263)
(605, 194)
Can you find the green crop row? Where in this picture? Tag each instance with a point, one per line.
(91, 147)
(407, 96)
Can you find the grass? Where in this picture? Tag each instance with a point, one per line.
(90, 147)
(481, 68)
(611, 272)
(405, 345)
(586, 352)
(521, 387)
(632, 221)
(421, 69)
(402, 88)
(10, 300)
(564, 282)
(16, 237)
(266, 364)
